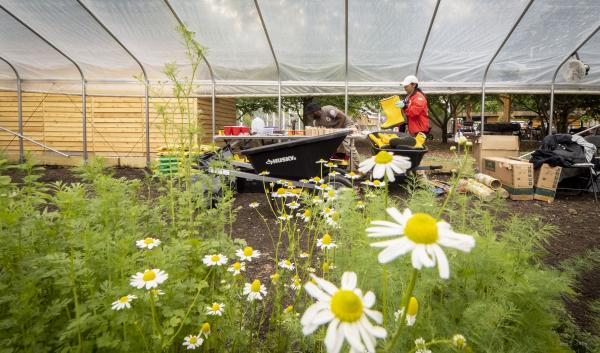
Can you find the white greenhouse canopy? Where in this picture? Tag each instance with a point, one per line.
(300, 47)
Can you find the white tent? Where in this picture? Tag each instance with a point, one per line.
(299, 47)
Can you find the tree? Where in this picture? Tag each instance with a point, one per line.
(247, 106)
(444, 107)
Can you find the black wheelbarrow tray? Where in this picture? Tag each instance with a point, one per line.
(415, 155)
(291, 161)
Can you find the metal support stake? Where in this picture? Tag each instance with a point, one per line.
(346, 57)
(437, 5)
(550, 120)
(84, 142)
(19, 110)
(264, 26)
(212, 111)
(487, 68)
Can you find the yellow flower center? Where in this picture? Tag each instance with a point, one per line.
(376, 183)
(383, 157)
(307, 213)
(289, 309)
(330, 165)
(248, 251)
(331, 193)
(149, 276)
(216, 307)
(351, 174)
(326, 239)
(193, 340)
(205, 327)
(215, 258)
(421, 228)
(255, 287)
(327, 210)
(335, 216)
(124, 299)
(281, 191)
(237, 266)
(346, 306)
(317, 179)
(325, 267)
(288, 263)
(413, 307)
(323, 186)
(275, 277)
(296, 191)
(148, 241)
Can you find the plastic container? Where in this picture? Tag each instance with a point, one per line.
(295, 159)
(390, 110)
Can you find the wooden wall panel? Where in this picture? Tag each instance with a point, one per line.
(115, 125)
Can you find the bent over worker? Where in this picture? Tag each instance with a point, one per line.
(330, 117)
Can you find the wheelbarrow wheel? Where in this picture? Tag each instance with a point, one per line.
(338, 182)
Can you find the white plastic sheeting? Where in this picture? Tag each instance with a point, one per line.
(385, 38)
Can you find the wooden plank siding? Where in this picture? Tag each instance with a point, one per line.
(115, 125)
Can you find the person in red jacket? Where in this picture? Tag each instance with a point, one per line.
(414, 106)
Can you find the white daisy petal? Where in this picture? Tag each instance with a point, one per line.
(349, 280)
(390, 173)
(424, 258)
(329, 287)
(378, 171)
(369, 300)
(309, 315)
(367, 338)
(400, 247)
(315, 292)
(442, 261)
(330, 336)
(375, 315)
(352, 335)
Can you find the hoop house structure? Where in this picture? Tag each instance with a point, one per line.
(296, 47)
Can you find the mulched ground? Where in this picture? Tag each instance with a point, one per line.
(575, 216)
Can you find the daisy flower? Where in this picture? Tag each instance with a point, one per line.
(303, 181)
(420, 342)
(288, 309)
(452, 148)
(462, 140)
(149, 278)
(327, 211)
(304, 255)
(205, 329)
(237, 268)
(334, 219)
(293, 205)
(411, 315)
(255, 290)
(330, 165)
(285, 217)
(287, 264)
(325, 243)
(193, 341)
(281, 192)
(254, 205)
(296, 284)
(459, 341)
(305, 216)
(346, 311)
(123, 302)
(316, 180)
(360, 205)
(330, 195)
(323, 187)
(275, 277)
(385, 163)
(317, 200)
(155, 293)
(333, 173)
(352, 175)
(321, 161)
(147, 243)
(216, 309)
(247, 253)
(420, 234)
(374, 183)
(215, 260)
(264, 173)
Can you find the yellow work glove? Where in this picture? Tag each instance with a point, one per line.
(375, 139)
(421, 138)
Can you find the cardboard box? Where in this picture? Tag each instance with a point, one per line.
(494, 146)
(546, 181)
(516, 176)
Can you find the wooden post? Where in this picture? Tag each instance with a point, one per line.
(506, 105)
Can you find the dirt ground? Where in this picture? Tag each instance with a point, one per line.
(576, 217)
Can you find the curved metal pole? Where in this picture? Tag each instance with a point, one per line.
(550, 120)
(346, 57)
(264, 26)
(146, 82)
(492, 60)
(83, 88)
(19, 110)
(437, 5)
(210, 70)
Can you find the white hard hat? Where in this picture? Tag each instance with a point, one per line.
(410, 79)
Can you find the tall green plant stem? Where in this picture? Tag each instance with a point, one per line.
(407, 295)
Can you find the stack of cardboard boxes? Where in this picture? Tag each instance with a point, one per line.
(496, 156)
